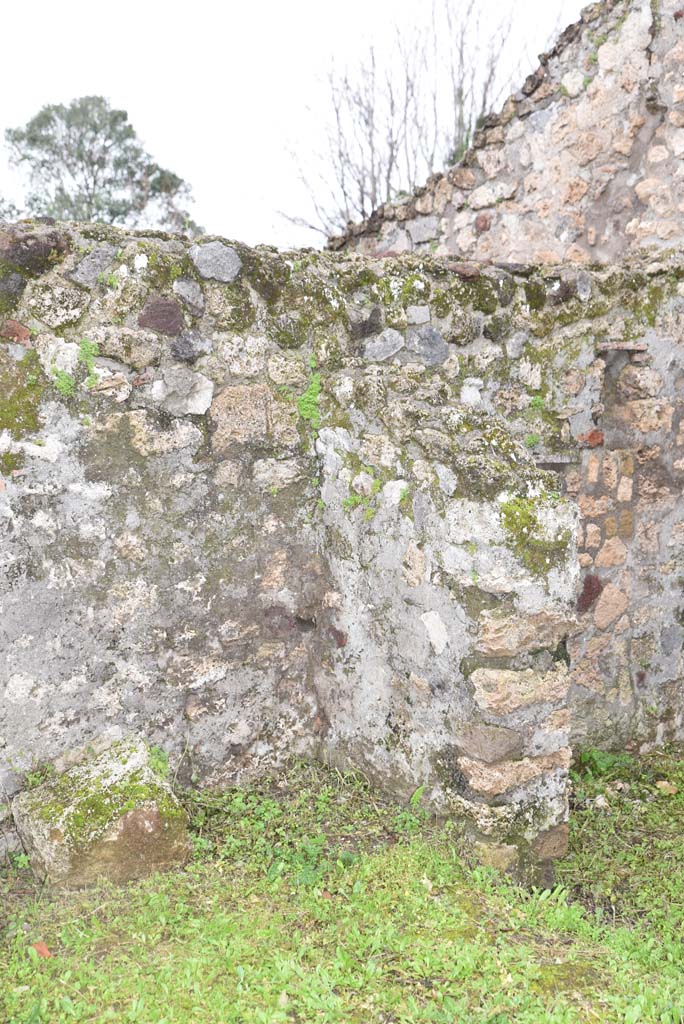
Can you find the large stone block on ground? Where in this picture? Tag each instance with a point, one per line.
(111, 816)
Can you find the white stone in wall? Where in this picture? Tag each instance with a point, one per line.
(436, 630)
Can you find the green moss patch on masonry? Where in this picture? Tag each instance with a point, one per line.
(22, 384)
(163, 268)
(526, 536)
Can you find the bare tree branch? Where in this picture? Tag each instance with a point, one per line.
(394, 120)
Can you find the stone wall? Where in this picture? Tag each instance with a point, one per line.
(583, 164)
(627, 661)
(256, 505)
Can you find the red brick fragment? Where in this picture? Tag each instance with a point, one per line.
(12, 330)
(591, 589)
(592, 439)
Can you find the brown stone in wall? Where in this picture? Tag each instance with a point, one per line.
(553, 843)
(591, 507)
(625, 524)
(483, 222)
(162, 315)
(489, 743)
(506, 636)
(491, 780)
(249, 414)
(626, 463)
(625, 489)
(610, 471)
(12, 330)
(593, 536)
(638, 382)
(611, 554)
(502, 691)
(461, 177)
(647, 414)
(610, 606)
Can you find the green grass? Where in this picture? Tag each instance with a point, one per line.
(627, 857)
(311, 900)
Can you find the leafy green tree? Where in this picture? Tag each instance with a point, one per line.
(85, 162)
(8, 211)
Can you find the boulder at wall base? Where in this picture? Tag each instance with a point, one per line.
(111, 816)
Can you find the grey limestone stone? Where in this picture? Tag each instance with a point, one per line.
(190, 294)
(88, 271)
(383, 345)
(216, 261)
(182, 392)
(427, 345)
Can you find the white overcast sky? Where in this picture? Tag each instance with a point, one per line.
(218, 90)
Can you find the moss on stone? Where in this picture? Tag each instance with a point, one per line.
(98, 232)
(267, 271)
(483, 294)
(506, 287)
(163, 268)
(650, 300)
(442, 303)
(535, 294)
(526, 537)
(400, 287)
(356, 278)
(308, 402)
(82, 803)
(21, 389)
(310, 309)
(291, 332)
(498, 327)
(473, 598)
